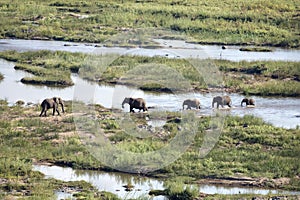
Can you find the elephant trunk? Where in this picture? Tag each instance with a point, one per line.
(124, 102)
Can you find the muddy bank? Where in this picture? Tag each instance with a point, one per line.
(247, 182)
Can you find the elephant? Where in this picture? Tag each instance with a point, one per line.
(138, 103)
(191, 103)
(221, 100)
(52, 103)
(248, 102)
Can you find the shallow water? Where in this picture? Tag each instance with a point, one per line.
(114, 182)
(281, 112)
(104, 181)
(170, 48)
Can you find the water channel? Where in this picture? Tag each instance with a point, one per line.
(114, 182)
(170, 48)
(279, 111)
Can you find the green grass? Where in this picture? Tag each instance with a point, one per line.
(258, 150)
(48, 68)
(160, 74)
(231, 22)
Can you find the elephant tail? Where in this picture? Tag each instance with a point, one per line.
(150, 107)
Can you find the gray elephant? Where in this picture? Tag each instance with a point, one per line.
(191, 103)
(52, 103)
(138, 103)
(221, 100)
(248, 102)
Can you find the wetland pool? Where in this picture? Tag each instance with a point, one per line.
(114, 181)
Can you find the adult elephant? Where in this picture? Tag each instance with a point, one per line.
(191, 103)
(52, 103)
(138, 103)
(221, 100)
(248, 102)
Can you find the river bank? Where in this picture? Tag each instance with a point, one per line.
(25, 137)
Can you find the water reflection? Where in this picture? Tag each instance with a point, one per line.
(110, 182)
(114, 182)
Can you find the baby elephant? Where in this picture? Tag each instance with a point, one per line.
(248, 102)
(191, 103)
(224, 100)
(52, 103)
(138, 103)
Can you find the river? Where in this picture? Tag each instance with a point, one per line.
(170, 48)
(279, 111)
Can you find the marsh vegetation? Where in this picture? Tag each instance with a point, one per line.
(232, 22)
(247, 147)
(266, 78)
(249, 151)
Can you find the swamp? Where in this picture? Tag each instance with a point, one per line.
(93, 54)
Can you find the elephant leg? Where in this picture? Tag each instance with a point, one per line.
(131, 109)
(53, 111)
(57, 111)
(43, 109)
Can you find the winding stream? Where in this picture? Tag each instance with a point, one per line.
(114, 182)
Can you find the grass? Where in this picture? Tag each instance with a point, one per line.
(257, 150)
(265, 78)
(266, 23)
(48, 68)
(160, 74)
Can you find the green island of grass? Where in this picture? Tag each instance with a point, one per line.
(265, 78)
(257, 49)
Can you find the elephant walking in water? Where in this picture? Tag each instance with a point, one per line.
(191, 103)
(248, 102)
(52, 103)
(138, 103)
(221, 100)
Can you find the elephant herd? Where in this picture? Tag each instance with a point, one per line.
(140, 104)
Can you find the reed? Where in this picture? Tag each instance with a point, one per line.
(261, 23)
